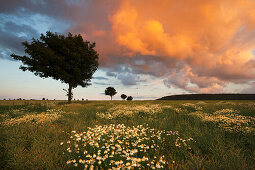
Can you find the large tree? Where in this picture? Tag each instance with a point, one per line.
(110, 91)
(69, 59)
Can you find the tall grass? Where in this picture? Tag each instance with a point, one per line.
(32, 145)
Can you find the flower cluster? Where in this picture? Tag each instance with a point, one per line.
(224, 103)
(191, 106)
(129, 111)
(201, 103)
(14, 113)
(118, 146)
(179, 110)
(49, 104)
(230, 120)
(48, 116)
(150, 109)
(225, 111)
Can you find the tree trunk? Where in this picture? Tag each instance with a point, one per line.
(69, 93)
(111, 97)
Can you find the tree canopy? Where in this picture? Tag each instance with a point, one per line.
(129, 98)
(68, 59)
(110, 91)
(123, 96)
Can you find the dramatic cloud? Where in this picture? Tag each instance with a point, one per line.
(128, 79)
(11, 35)
(100, 78)
(211, 40)
(101, 84)
(251, 89)
(25, 19)
(111, 74)
(197, 46)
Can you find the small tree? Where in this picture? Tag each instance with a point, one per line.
(123, 96)
(129, 98)
(68, 59)
(110, 91)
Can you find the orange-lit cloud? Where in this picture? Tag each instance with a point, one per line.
(213, 40)
(198, 45)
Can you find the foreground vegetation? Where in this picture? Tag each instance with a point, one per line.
(127, 134)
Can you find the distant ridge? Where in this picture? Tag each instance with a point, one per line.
(210, 97)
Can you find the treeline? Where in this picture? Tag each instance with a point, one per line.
(28, 99)
(45, 99)
(110, 91)
(210, 97)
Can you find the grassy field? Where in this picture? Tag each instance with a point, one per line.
(127, 134)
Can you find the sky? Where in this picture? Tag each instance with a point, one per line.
(147, 48)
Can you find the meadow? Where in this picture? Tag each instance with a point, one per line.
(127, 134)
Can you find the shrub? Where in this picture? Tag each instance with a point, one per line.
(129, 98)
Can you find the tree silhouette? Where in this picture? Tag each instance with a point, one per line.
(110, 91)
(68, 59)
(123, 96)
(129, 98)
